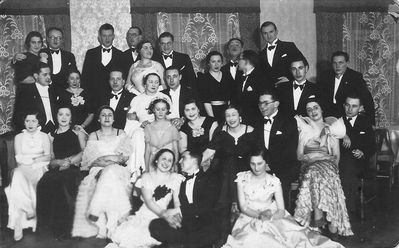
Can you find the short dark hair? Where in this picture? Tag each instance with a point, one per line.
(195, 155)
(316, 100)
(53, 28)
(173, 67)
(233, 39)
(70, 71)
(151, 108)
(141, 43)
(30, 36)
(39, 66)
(300, 58)
(212, 53)
(166, 34)
(101, 108)
(233, 106)
(151, 74)
(118, 69)
(268, 23)
(340, 53)
(259, 151)
(136, 27)
(159, 153)
(251, 56)
(191, 100)
(271, 92)
(36, 113)
(354, 95)
(106, 26)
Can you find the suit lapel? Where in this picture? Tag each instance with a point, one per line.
(275, 127)
(183, 196)
(304, 95)
(277, 53)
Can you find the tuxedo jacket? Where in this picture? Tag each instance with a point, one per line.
(128, 61)
(226, 71)
(351, 82)
(283, 142)
(95, 75)
(185, 94)
(362, 137)
(286, 96)
(28, 99)
(247, 98)
(205, 195)
(122, 108)
(183, 62)
(283, 55)
(68, 63)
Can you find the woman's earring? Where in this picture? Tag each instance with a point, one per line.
(240, 119)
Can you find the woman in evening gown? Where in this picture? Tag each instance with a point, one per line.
(321, 199)
(263, 222)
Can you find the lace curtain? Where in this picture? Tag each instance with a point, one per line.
(13, 32)
(88, 16)
(371, 42)
(197, 34)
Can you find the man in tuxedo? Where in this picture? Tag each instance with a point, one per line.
(341, 81)
(234, 49)
(168, 57)
(38, 97)
(195, 222)
(97, 64)
(59, 60)
(119, 98)
(293, 95)
(278, 133)
(357, 147)
(276, 57)
(248, 87)
(131, 55)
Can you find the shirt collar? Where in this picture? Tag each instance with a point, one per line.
(353, 118)
(175, 91)
(296, 82)
(249, 72)
(171, 53)
(273, 43)
(110, 47)
(272, 116)
(117, 93)
(41, 86)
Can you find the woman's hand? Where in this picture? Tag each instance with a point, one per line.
(265, 215)
(144, 124)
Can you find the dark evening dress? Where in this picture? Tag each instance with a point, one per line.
(79, 105)
(198, 140)
(57, 190)
(213, 90)
(26, 67)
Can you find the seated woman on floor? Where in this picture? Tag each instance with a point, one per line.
(263, 221)
(103, 196)
(32, 153)
(57, 189)
(321, 199)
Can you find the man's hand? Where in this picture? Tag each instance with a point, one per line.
(177, 122)
(346, 141)
(358, 153)
(19, 57)
(282, 80)
(173, 217)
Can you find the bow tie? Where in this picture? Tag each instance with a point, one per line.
(133, 49)
(115, 95)
(265, 121)
(106, 50)
(299, 85)
(271, 47)
(349, 119)
(188, 177)
(54, 51)
(166, 56)
(233, 63)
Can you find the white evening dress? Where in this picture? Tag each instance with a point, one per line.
(134, 232)
(279, 233)
(136, 76)
(21, 193)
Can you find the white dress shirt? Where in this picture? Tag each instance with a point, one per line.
(233, 70)
(56, 62)
(246, 78)
(113, 102)
(168, 61)
(190, 187)
(270, 53)
(134, 54)
(267, 128)
(297, 93)
(175, 96)
(337, 82)
(106, 56)
(352, 122)
(44, 95)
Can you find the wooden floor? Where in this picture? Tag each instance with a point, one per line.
(380, 229)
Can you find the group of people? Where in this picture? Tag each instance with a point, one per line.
(140, 150)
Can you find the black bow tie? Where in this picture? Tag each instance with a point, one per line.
(299, 85)
(349, 119)
(233, 63)
(265, 121)
(54, 51)
(133, 49)
(165, 56)
(271, 47)
(106, 50)
(115, 95)
(188, 177)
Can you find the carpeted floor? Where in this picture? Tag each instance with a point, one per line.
(380, 229)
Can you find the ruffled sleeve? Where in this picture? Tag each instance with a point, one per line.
(176, 182)
(243, 177)
(144, 182)
(275, 182)
(336, 127)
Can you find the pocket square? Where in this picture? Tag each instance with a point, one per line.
(182, 67)
(284, 55)
(249, 88)
(311, 96)
(362, 132)
(278, 133)
(126, 108)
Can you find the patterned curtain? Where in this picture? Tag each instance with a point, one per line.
(87, 17)
(371, 40)
(13, 32)
(196, 34)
